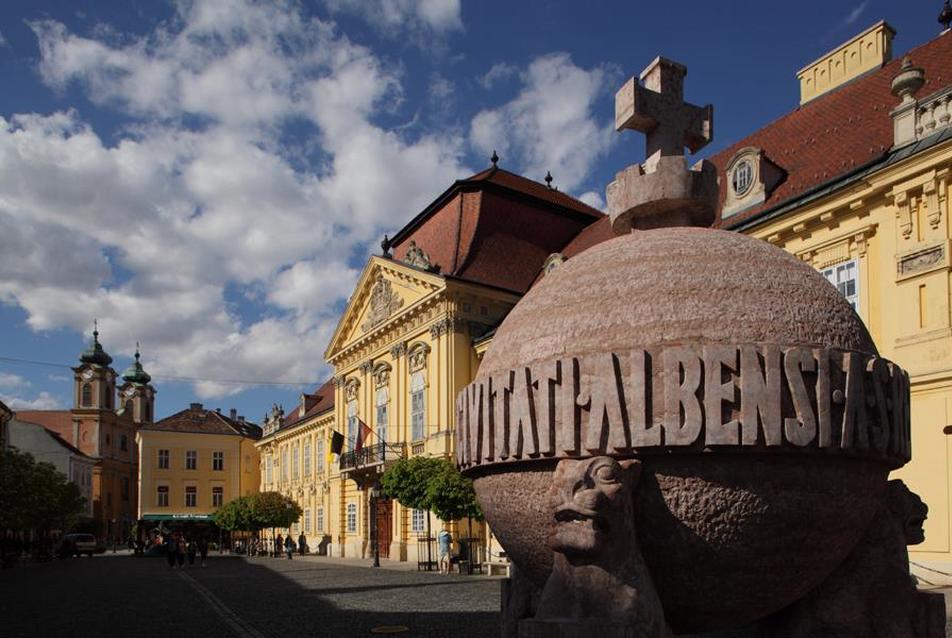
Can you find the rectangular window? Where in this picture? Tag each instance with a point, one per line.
(124, 443)
(125, 488)
(307, 458)
(191, 496)
(296, 462)
(191, 460)
(162, 496)
(351, 426)
(383, 397)
(417, 520)
(351, 517)
(163, 459)
(320, 519)
(307, 521)
(319, 461)
(268, 471)
(845, 276)
(284, 464)
(417, 407)
(218, 461)
(218, 496)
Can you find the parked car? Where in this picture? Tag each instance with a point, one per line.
(76, 544)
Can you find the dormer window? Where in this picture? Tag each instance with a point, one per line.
(751, 178)
(743, 177)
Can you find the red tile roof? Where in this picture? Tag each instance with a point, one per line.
(325, 402)
(60, 421)
(495, 228)
(838, 131)
(197, 420)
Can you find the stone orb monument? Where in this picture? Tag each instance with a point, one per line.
(685, 430)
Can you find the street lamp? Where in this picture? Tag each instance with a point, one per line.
(374, 536)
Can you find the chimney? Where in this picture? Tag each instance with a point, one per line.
(233, 414)
(866, 52)
(308, 401)
(195, 406)
(241, 419)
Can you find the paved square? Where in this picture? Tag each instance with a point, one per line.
(252, 598)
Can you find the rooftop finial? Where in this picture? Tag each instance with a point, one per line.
(95, 329)
(137, 350)
(385, 246)
(548, 179)
(494, 159)
(945, 16)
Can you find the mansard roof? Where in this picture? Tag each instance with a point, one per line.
(324, 402)
(495, 228)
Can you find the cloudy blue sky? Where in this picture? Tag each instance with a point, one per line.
(209, 177)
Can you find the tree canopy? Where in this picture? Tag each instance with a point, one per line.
(258, 511)
(432, 484)
(36, 495)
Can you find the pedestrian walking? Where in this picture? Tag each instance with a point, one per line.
(170, 549)
(192, 549)
(443, 541)
(302, 544)
(203, 549)
(289, 547)
(180, 551)
(278, 546)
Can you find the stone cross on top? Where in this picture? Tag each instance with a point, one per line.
(663, 191)
(658, 110)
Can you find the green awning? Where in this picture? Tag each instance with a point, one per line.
(177, 517)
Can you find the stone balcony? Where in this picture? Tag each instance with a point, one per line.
(370, 461)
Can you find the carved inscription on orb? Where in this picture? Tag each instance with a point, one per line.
(688, 397)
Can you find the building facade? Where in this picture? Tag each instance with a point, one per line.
(103, 424)
(295, 461)
(192, 462)
(5, 415)
(855, 182)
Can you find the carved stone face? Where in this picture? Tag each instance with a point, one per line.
(909, 510)
(591, 501)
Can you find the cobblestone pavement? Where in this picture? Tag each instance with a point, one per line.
(250, 598)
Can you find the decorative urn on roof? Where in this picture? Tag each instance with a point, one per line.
(684, 430)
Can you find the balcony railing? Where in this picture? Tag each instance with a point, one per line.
(374, 454)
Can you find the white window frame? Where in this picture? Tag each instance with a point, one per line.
(296, 461)
(268, 470)
(307, 458)
(307, 520)
(840, 275)
(164, 458)
(382, 404)
(160, 491)
(218, 493)
(320, 460)
(351, 425)
(351, 518)
(191, 490)
(319, 518)
(191, 459)
(417, 520)
(417, 406)
(218, 461)
(284, 463)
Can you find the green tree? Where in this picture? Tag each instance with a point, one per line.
(408, 481)
(451, 495)
(36, 496)
(272, 509)
(236, 515)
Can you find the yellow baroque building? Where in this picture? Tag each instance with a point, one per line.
(409, 339)
(855, 182)
(192, 462)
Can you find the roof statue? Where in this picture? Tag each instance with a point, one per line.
(417, 257)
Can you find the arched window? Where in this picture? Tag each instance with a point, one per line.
(351, 424)
(417, 406)
(382, 399)
(87, 396)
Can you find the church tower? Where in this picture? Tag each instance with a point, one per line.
(136, 394)
(94, 392)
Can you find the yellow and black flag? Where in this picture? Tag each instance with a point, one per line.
(337, 444)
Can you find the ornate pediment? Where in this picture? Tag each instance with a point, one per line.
(383, 303)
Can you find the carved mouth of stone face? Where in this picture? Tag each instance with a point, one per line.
(580, 518)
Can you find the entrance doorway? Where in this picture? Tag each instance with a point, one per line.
(384, 531)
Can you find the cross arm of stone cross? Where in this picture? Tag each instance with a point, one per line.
(658, 110)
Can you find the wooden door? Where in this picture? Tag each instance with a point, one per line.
(384, 531)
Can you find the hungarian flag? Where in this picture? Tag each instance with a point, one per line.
(363, 433)
(336, 446)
